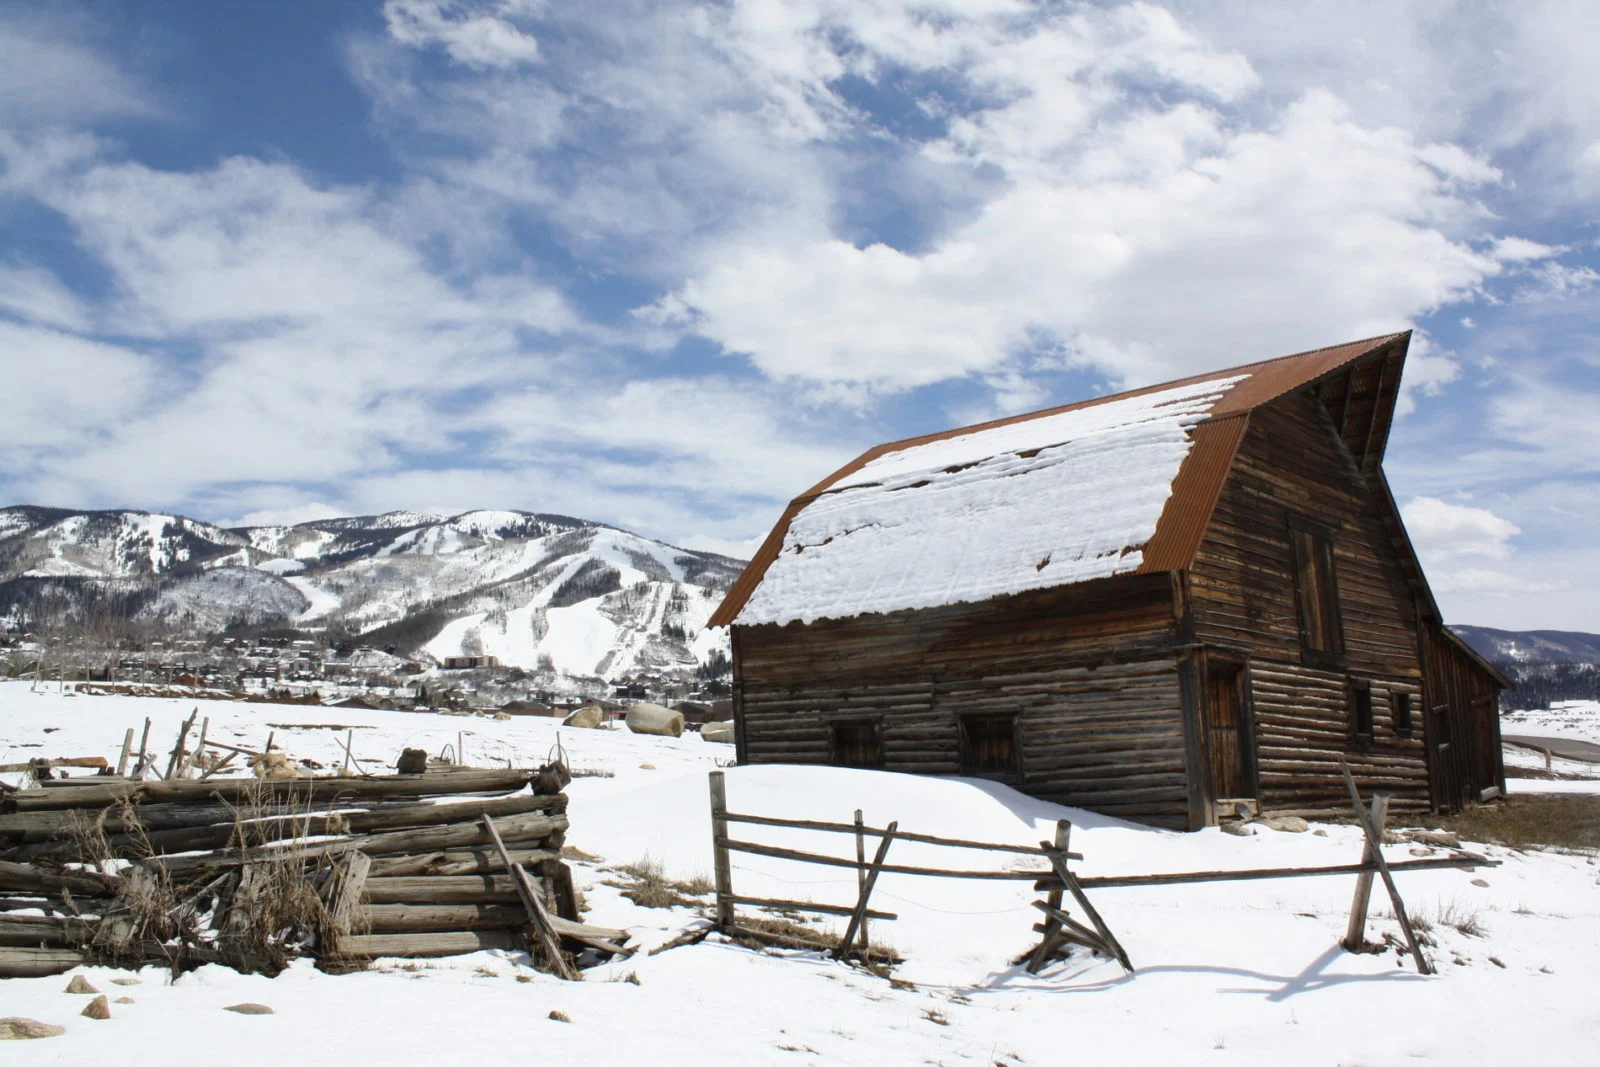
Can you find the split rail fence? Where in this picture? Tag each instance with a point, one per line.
(1059, 929)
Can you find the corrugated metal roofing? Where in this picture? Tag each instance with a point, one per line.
(1199, 479)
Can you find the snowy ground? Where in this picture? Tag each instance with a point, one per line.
(1228, 973)
(1576, 719)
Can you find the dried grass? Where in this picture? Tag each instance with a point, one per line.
(1551, 820)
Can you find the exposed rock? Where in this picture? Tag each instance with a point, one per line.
(80, 984)
(1239, 829)
(655, 719)
(412, 761)
(647, 766)
(1287, 824)
(16, 1028)
(717, 731)
(1480, 883)
(125, 981)
(589, 717)
(123, 1000)
(249, 1008)
(559, 1016)
(99, 1008)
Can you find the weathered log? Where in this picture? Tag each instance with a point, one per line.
(472, 861)
(645, 718)
(31, 879)
(38, 962)
(426, 945)
(453, 889)
(274, 825)
(98, 762)
(395, 918)
(55, 931)
(295, 790)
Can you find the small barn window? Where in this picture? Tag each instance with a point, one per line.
(1321, 632)
(1400, 712)
(989, 746)
(854, 743)
(1361, 709)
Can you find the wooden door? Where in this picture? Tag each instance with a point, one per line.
(1228, 738)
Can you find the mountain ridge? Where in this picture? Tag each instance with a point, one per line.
(542, 591)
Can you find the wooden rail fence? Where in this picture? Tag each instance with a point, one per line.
(1059, 929)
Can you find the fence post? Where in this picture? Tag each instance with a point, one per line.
(1355, 935)
(1048, 943)
(861, 872)
(719, 851)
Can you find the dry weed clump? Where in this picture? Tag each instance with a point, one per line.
(649, 887)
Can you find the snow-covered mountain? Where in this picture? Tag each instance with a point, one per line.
(549, 592)
(1525, 646)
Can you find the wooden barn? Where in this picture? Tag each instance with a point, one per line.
(1171, 605)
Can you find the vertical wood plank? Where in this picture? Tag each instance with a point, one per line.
(861, 871)
(859, 916)
(719, 851)
(122, 761)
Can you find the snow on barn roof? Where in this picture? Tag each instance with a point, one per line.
(1048, 499)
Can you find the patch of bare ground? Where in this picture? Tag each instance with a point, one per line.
(1538, 820)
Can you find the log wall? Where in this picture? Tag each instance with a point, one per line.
(1292, 462)
(1089, 670)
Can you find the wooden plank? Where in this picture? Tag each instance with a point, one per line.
(836, 861)
(1465, 861)
(859, 914)
(1355, 934)
(1046, 948)
(98, 762)
(346, 893)
(127, 745)
(177, 752)
(808, 905)
(427, 945)
(873, 831)
(17, 962)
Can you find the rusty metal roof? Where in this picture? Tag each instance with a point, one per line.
(1199, 481)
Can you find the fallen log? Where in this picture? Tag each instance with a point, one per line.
(475, 861)
(53, 931)
(425, 945)
(458, 889)
(98, 762)
(279, 790)
(393, 918)
(280, 824)
(38, 962)
(28, 878)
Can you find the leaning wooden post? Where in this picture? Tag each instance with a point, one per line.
(144, 751)
(859, 916)
(188, 762)
(350, 737)
(1355, 935)
(1058, 860)
(127, 745)
(1375, 841)
(183, 735)
(719, 852)
(537, 916)
(861, 872)
(1048, 939)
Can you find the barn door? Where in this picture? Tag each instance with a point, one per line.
(1229, 739)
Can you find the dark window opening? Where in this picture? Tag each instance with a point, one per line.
(1321, 632)
(1361, 709)
(989, 746)
(854, 744)
(1400, 712)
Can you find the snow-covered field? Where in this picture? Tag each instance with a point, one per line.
(1575, 719)
(1227, 973)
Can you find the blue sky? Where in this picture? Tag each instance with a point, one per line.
(666, 265)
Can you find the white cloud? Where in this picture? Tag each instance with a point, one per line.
(1488, 583)
(50, 73)
(484, 41)
(35, 295)
(1443, 531)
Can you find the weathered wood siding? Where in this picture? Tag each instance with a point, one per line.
(1463, 724)
(1089, 670)
(1242, 590)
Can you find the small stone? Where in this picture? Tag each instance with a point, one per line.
(80, 984)
(125, 981)
(1480, 883)
(123, 1000)
(1319, 833)
(559, 1016)
(647, 766)
(1437, 838)
(1285, 824)
(16, 1028)
(1420, 850)
(1239, 829)
(99, 1008)
(249, 1008)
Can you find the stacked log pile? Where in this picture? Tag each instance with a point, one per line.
(252, 872)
